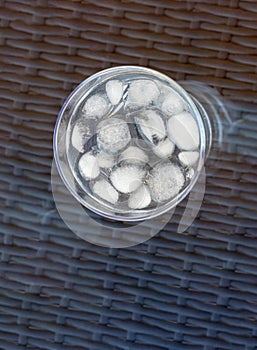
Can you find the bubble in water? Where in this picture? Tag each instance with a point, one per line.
(183, 131)
(128, 177)
(103, 189)
(96, 106)
(142, 93)
(189, 174)
(165, 181)
(140, 198)
(88, 166)
(151, 126)
(113, 135)
(114, 91)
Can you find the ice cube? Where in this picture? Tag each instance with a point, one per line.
(164, 148)
(105, 190)
(188, 158)
(183, 131)
(127, 178)
(88, 166)
(172, 104)
(81, 133)
(142, 93)
(113, 135)
(134, 154)
(151, 126)
(114, 91)
(105, 160)
(96, 106)
(140, 198)
(165, 181)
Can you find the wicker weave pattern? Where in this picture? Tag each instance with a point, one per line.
(194, 291)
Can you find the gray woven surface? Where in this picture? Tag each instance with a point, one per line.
(195, 290)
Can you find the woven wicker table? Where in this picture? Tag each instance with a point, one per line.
(195, 290)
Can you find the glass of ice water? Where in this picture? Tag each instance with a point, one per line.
(130, 143)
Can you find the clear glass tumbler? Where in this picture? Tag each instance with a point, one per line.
(130, 143)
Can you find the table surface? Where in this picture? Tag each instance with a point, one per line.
(194, 290)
